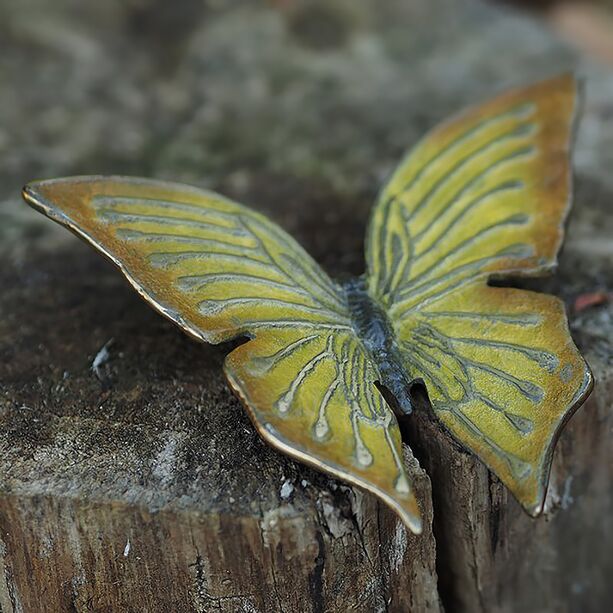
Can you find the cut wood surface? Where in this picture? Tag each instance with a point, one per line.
(130, 477)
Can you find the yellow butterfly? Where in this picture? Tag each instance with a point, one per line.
(482, 197)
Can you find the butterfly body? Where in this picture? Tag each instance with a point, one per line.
(376, 332)
(328, 367)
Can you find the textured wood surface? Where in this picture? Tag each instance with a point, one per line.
(131, 479)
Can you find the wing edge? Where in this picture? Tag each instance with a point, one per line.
(578, 400)
(276, 441)
(38, 202)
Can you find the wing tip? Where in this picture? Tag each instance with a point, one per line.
(30, 194)
(536, 509)
(566, 82)
(412, 520)
(33, 196)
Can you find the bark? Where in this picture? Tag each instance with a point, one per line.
(131, 479)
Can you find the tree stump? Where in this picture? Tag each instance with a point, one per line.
(131, 478)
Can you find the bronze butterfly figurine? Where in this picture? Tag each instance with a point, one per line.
(483, 196)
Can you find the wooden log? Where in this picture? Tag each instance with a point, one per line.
(139, 483)
(131, 479)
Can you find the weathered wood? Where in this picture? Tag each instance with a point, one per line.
(64, 554)
(490, 555)
(140, 484)
(144, 486)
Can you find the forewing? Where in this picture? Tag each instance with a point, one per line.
(215, 267)
(485, 195)
(220, 270)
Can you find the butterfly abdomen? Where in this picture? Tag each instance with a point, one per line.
(374, 329)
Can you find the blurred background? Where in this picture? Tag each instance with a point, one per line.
(300, 109)
(225, 92)
(234, 94)
(586, 24)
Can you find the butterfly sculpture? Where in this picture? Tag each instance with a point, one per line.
(328, 366)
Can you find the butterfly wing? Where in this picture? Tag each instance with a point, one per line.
(220, 271)
(484, 196)
(328, 413)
